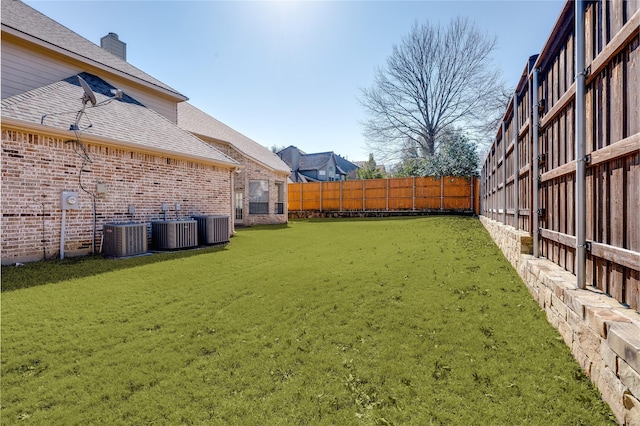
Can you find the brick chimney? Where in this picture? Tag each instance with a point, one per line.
(113, 45)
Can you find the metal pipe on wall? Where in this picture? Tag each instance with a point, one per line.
(581, 251)
(63, 231)
(536, 164)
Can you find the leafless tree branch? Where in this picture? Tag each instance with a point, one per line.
(436, 78)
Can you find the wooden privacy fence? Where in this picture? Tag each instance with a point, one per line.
(456, 194)
(565, 163)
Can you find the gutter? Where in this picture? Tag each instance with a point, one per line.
(204, 138)
(104, 141)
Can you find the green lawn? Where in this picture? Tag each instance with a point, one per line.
(336, 322)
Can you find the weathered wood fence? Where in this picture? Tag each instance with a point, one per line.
(426, 194)
(565, 164)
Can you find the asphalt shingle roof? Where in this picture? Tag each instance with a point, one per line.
(124, 120)
(198, 122)
(21, 17)
(314, 161)
(345, 164)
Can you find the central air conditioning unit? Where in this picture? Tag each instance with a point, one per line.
(124, 239)
(212, 229)
(174, 234)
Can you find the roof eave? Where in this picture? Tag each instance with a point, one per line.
(206, 138)
(101, 140)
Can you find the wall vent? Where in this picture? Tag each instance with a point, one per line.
(212, 229)
(174, 234)
(124, 239)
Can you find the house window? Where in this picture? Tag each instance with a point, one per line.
(281, 201)
(259, 197)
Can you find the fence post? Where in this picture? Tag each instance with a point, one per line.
(387, 194)
(301, 197)
(473, 204)
(536, 165)
(581, 205)
(320, 196)
(441, 193)
(414, 193)
(364, 197)
(340, 195)
(516, 164)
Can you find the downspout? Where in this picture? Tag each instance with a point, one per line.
(232, 215)
(581, 159)
(516, 164)
(504, 174)
(536, 165)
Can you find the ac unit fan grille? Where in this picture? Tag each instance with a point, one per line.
(212, 229)
(174, 234)
(124, 239)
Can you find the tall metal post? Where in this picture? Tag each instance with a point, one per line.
(504, 173)
(536, 164)
(581, 205)
(516, 164)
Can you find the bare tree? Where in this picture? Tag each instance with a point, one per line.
(436, 78)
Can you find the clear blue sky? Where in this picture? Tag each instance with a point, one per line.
(290, 72)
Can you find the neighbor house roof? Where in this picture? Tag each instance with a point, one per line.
(346, 165)
(122, 121)
(317, 161)
(29, 24)
(200, 123)
(314, 161)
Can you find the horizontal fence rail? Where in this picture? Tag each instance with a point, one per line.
(429, 194)
(531, 178)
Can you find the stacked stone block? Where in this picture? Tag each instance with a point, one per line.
(604, 336)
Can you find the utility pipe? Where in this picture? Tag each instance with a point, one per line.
(63, 228)
(536, 165)
(232, 190)
(516, 164)
(581, 159)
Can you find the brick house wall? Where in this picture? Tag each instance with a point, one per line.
(37, 167)
(253, 170)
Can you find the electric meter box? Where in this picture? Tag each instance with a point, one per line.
(69, 200)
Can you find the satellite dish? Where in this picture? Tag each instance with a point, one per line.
(89, 96)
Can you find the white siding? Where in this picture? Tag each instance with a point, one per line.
(24, 70)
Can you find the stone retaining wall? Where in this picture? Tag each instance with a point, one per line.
(604, 336)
